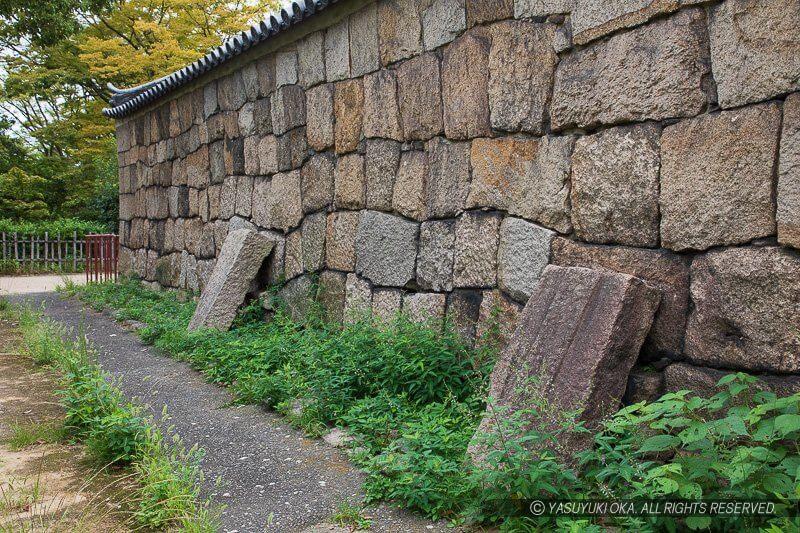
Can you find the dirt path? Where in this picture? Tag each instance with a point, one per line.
(48, 485)
(34, 284)
(270, 476)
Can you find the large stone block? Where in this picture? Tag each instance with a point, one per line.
(311, 60)
(442, 22)
(523, 253)
(381, 114)
(465, 86)
(314, 229)
(664, 270)
(241, 257)
(420, 96)
(386, 304)
(381, 162)
(475, 263)
(231, 94)
(596, 85)
(297, 296)
(349, 182)
(340, 242)
(521, 66)
(717, 178)
(577, 339)
(293, 255)
(463, 311)
(233, 156)
(286, 67)
(386, 249)
(358, 298)
(409, 187)
(448, 177)
(479, 11)
(291, 149)
(499, 166)
(244, 196)
(424, 306)
(399, 30)
(332, 290)
(542, 193)
(436, 251)
(703, 381)
(788, 215)
(615, 186)
(268, 155)
(745, 312)
(348, 105)
(317, 182)
(337, 51)
(319, 115)
(755, 49)
(288, 105)
(284, 205)
(364, 57)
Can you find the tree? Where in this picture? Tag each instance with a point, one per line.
(21, 196)
(58, 56)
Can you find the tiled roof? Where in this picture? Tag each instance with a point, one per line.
(126, 101)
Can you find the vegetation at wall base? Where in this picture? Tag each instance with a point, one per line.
(116, 432)
(59, 226)
(412, 396)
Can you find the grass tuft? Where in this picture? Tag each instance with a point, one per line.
(31, 434)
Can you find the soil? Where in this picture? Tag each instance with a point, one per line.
(49, 486)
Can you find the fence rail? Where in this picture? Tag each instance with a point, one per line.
(102, 253)
(43, 252)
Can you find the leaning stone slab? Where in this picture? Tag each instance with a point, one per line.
(577, 339)
(242, 254)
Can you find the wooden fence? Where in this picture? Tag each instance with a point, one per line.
(42, 252)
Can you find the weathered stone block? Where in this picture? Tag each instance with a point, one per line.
(314, 228)
(465, 86)
(244, 196)
(349, 182)
(198, 172)
(386, 304)
(210, 102)
(262, 116)
(381, 162)
(788, 215)
(292, 149)
(358, 298)
(364, 56)
(286, 68)
(644, 385)
(317, 182)
(247, 123)
(424, 306)
(231, 94)
(399, 30)
(293, 255)
(475, 263)
(319, 111)
(332, 290)
(227, 199)
(436, 252)
(442, 22)
(755, 50)
(252, 163)
(499, 167)
(386, 247)
(448, 178)
(734, 154)
(340, 241)
(297, 295)
(250, 81)
(578, 336)
(479, 11)
(420, 96)
(239, 261)
(521, 66)
(409, 187)
(542, 195)
(596, 85)
(265, 68)
(615, 186)
(661, 269)
(311, 60)
(288, 105)
(703, 381)
(745, 310)
(233, 155)
(337, 51)
(463, 310)
(348, 105)
(284, 204)
(381, 115)
(523, 253)
(268, 155)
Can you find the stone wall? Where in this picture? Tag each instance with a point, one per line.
(436, 155)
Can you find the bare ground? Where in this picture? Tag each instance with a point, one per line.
(48, 486)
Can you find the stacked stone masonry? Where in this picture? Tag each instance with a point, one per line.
(434, 156)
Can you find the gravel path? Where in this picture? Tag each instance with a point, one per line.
(267, 474)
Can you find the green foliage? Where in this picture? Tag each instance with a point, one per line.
(63, 226)
(30, 434)
(412, 396)
(118, 432)
(22, 196)
(350, 516)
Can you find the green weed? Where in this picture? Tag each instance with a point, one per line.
(31, 434)
(351, 516)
